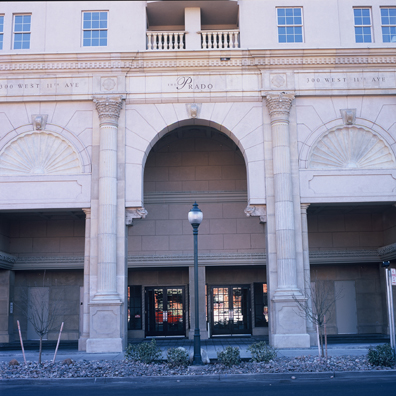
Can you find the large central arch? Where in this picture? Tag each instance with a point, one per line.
(241, 122)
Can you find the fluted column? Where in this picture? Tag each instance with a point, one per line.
(279, 108)
(288, 328)
(87, 246)
(109, 111)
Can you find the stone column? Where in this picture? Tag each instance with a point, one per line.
(202, 302)
(105, 306)
(82, 341)
(307, 269)
(289, 329)
(109, 111)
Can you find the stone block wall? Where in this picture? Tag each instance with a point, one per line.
(4, 235)
(6, 291)
(370, 294)
(194, 162)
(339, 230)
(64, 291)
(389, 218)
(35, 236)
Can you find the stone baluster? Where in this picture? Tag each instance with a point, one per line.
(149, 41)
(109, 111)
(204, 46)
(279, 106)
(155, 42)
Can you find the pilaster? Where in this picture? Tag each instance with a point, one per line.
(84, 332)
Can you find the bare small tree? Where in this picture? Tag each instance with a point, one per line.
(319, 305)
(40, 311)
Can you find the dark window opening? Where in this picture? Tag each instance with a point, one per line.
(135, 307)
(260, 305)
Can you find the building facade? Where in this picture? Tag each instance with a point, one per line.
(277, 117)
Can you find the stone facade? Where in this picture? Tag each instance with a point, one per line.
(288, 148)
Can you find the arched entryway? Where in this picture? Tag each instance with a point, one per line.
(196, 163)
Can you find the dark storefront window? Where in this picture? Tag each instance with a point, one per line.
(135, 307)
(260, 305)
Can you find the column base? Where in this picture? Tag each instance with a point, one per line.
(291, 341)
(82, 343)
(104, 345)
(105, 334)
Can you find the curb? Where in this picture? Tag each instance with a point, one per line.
(327, 375)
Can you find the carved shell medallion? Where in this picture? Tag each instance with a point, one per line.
(39, 153)
(351, 147)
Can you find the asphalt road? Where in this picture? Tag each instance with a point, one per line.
(204, 387)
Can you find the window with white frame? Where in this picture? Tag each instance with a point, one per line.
(22, 31)
(290, 25)
(95, 29)
(388, 22)
(1, 31)
(362, 19)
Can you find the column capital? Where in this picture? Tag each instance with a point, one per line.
(257, 210)
(109, 108)
(87, 212)
(304, 207)
(279, 105)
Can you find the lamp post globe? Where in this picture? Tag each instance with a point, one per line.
(195, 217)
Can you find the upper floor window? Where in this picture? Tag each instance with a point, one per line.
(1, 30)
(362, 18)
(290, 25)
(22, 31)
(95, 29)
(388, 22)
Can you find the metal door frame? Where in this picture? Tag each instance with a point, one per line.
(232, 332)
(165, 331)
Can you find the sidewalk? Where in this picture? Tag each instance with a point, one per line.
(211, 346)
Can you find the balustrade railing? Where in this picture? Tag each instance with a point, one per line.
(217, 39)
(210, 39)
(165, 40)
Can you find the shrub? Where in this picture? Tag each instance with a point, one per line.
(230, 356)
(145, 352)
(177, 357)
(381, 355)
(261, 352)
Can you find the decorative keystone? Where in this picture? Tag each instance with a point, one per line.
(348, 116)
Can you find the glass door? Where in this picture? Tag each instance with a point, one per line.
(165, 311)
(230, 310)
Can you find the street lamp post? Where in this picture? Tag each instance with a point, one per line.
(195, 217)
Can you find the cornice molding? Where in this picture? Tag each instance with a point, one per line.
(189, 198)
(256, 59)
(7, 261)
(387, 252)
(205, 259)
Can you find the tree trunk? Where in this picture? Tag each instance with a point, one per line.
(40, 349)
(321, 342)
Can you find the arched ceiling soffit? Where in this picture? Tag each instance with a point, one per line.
(211, 128)
(39, 153)
(351, 147)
